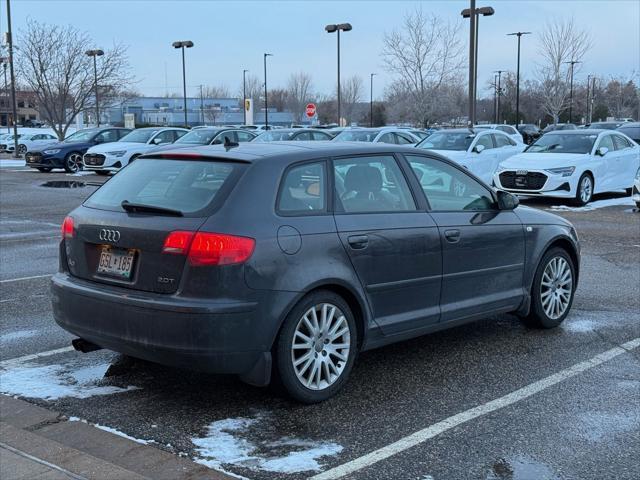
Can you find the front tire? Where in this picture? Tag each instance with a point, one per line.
(316, 347)
(73, 162)
(553, 289)
(584, 192)
(22, 149)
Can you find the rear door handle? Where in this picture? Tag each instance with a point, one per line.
(358, 242)
(452, 236)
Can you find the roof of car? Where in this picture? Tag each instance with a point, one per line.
(584, 131)
(470, 132)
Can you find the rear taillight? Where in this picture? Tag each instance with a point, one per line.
(209, 249)
(67, 228)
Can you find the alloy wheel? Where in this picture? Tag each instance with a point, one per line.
(320, 346)
(586, 189)
(555, 287)
(74, 162)
(22, 149)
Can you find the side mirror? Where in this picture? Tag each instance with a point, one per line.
(602, 151)
(507, 201)
(478, 148)
(156, 141)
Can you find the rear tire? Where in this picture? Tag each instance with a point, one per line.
(325, 347)
(553, 289)
(584, 192)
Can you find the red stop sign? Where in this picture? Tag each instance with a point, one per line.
(311, 110)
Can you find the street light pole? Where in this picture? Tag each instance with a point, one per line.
(14, 110)
(571, 63)
(336, 28)
(586, 115)
(371, 102)
(466, 13)
(266, 103)
(499, 92)
(519, 34)
(201, 106)
(244, 97)
(182, 44)
(94, 54)
(6, 88)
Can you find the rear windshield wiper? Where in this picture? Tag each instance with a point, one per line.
(140, 207)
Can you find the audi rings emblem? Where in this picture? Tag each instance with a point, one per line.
(109, 235)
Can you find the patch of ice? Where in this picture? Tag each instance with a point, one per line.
(52, 382)
(223, 445)
(19, 335)
(594, 205)
(579, 326)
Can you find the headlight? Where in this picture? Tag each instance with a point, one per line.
(52, 152)
(564, 171)
(117, 153)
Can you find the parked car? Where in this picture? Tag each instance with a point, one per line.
(377, 135)
(605, 125)
(286, 134)
(508, 129)
(479, 151)
(68, 153)
(8, 142)
(275, 257)
(209, 136)
(29, 141)
(573, 165)
(530, 132)
(103, 159)
(631, 130)
(30, 123)
(558, 126)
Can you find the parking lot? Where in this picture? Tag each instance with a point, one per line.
(489, 400)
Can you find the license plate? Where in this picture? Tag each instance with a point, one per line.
(117, 263)
(521, 181)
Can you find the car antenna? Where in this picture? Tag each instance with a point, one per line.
(229, 144)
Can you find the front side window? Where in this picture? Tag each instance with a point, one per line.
(139, 136)
(403, 140)
(606, 142)
(503, 141)
(107, 136)
(456, 141)
(447, 188)
(371, 184)
(81, 136)
(386, 138)
(200, 136)
(303, 190)
(485, 141)
(163, 137)
(244, 136)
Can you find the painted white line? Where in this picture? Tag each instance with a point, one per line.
(10, 280)
(473, 413)
(35, 356)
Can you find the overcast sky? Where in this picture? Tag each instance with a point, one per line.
(230, 36)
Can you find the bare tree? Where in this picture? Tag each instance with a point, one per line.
(216, 91)
(424, 54)
(561, 41)
(52, 62)
(298, 94)
(254, 88)
(352, 90)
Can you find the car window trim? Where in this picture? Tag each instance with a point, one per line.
(328, 207)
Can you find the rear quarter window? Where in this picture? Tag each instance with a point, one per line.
(191, 186)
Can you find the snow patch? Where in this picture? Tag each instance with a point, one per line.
(19, 335)
(594, 205)
(579, 326)
(224, 445)
(11, 163)
(122, 434)
(52, 382)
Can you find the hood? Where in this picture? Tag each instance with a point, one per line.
(118, 146)
(542, 161)
(61, 145)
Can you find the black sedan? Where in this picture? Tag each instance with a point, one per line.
(294, 256)
(286, 134)
(530, 132)
(68, 153)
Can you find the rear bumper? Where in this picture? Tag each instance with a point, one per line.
(216, 337)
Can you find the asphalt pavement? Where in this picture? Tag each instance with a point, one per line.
(490, 400)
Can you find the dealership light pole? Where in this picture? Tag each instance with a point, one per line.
(4, 61)
(345, 27)
(519, 34)
(266, 103)
(466, 13)
(94, 54)
(244, 97)
(182, 44)
(572, 63)
(371, 101)
(14, 110)
(498, 93)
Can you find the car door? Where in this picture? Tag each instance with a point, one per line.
(605, 170)
(482, 247)
(393, 245)
(483, 163)
(626, 162)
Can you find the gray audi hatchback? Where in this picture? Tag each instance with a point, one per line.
(286, 259)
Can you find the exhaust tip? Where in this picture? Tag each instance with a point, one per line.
(84, 346)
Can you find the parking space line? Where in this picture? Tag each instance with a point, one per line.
(35, 356)
(10, 280)
(473, 413)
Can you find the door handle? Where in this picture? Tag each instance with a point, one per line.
(358, 242)
(452, 236)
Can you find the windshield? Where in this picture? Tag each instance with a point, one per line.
(460, 141)
(559, 143)
(187, 186)
(200, 136)
(273, 136)
(356, 136)
(139, 136)
(81, 136)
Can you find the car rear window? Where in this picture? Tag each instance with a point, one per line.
(190, 186)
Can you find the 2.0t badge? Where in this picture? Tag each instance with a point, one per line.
(109, 235)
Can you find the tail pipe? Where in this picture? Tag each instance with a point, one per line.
(84, 346)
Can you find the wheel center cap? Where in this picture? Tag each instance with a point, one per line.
(318, 346)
